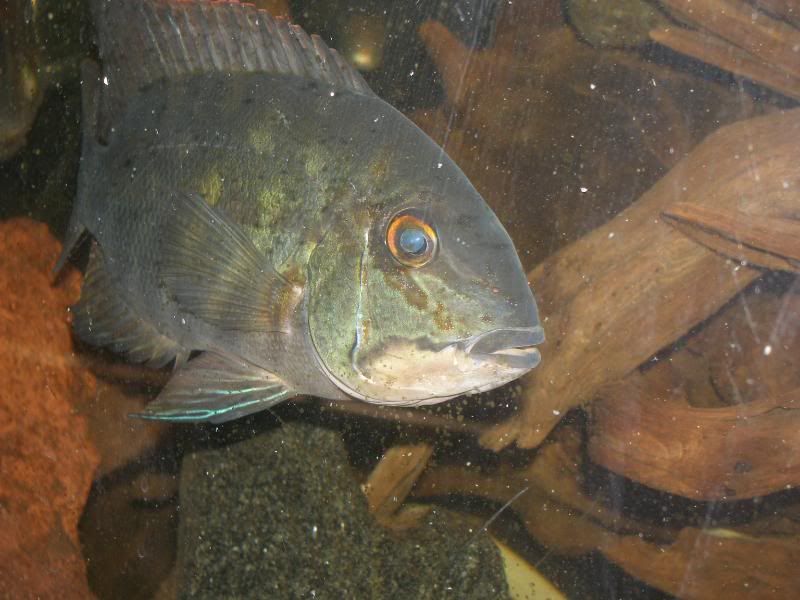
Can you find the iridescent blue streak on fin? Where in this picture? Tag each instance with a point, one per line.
(102, 317)
(216, 389)
(214, 271)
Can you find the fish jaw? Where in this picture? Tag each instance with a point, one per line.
(406, 373)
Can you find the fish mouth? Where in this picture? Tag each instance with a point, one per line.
(408, 372)
(512, 347)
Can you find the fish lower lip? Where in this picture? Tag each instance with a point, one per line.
(517, 340)
(514, 351)
(522, 357)
(511, 348)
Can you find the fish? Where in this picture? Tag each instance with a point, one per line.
(264, 222)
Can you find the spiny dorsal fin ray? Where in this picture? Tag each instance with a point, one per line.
(142, 41)
(216, 388)
(103, 318)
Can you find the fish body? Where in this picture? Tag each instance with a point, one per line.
(277, 217)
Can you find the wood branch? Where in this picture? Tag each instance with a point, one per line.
(729, 453)
(769, 242)
(716, 420)
(391, 481)
(717, 52)
(758, 559)
(767, 39)
(635, 285)
(547, 494)
(711, 564)
(789, 10)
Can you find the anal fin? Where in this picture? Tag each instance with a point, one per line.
(214, 388)
(103, 318)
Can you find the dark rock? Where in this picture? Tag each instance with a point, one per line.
(281, 515)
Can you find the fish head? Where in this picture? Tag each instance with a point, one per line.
(418, 295)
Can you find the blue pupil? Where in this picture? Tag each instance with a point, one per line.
(413, 241)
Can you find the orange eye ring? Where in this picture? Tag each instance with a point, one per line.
(411, 240)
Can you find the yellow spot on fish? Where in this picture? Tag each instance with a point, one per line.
(380, 166)
(366, 328)
(316, 162)
(261, 140)
(211, 187)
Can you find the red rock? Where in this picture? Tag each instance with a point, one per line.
(47, 460)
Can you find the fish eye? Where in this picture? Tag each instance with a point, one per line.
(411, 240)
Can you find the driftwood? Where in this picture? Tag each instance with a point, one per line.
(717, 563)
(712, 50)
(544, 126)
(547, 494)
(689, 562)
(717, 420)
(635, 285)
(391, 481)
(702, 453)
(765, 38)
(769, 242)
(739, 38)
(746, 561)
(788, 10)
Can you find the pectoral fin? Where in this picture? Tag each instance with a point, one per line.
(216, 389)
(214, 271)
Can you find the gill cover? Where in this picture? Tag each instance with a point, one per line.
(337, 278)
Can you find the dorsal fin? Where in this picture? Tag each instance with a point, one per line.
(142, 41)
